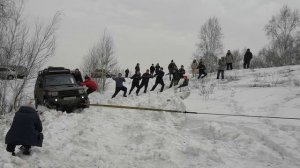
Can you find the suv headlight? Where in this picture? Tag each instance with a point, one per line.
(52, 93)
(81, 91)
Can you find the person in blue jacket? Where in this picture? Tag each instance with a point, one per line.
(26, 130)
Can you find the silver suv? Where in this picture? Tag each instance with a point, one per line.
(7, 73)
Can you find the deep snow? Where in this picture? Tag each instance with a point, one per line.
(109, 138)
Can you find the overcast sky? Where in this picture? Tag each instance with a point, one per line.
(151, 31)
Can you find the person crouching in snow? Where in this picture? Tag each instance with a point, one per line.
(119, 85)
(26, 130)
(92, 85)
(185, 82)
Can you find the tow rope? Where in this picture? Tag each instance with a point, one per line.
(192, 112)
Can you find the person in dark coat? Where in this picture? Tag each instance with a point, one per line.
(171, 68)
(135, 81)
(176, 78)
(145, 80)
(247, 58)
(77, 75)
(157, 67)
(119, 85)
(159, 79)
(152, 69)
(185, 82)
(181, 71)
(221, 67)
(126, 73)
(26, 130)
(90, 84)
(229, 60)
(202, 69)
(137, 67)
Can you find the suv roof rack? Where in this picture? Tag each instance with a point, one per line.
(54, 70)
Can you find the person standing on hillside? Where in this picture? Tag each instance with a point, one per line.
(157, 67)
(137, 67)
(181, 71)
(159, 79)
(171, 68)
(229, 60)
(145, 80)
(126, 73)
(221, 67)
(135, 81)
(152, 69)
(247, 58)
(202, 69)
(194, 68)
(119, 85)
(176, 78)
(26, 130)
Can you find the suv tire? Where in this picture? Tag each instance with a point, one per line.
(10, 77)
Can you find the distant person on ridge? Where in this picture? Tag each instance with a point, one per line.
(152, 69)
(171, 68)
(157, 67)
(126, 73)
(202, 70)
(90, 84)
(159, 79)
(145, 80)
(194, 68)
(247, 58)
(135, 81)
(119, 85)
(137, 67)
(221, 67)
(229, 60)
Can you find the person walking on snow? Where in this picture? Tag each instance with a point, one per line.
(119, 85)
(229, 60)
(145, 80)
(135, 81)
(159, 79)
(194, 68)
(202, 69)
(26, 130)
(152, 69)
(247, 58)
(126, 73)
(171, 69)
(221, 67)
(90, 84)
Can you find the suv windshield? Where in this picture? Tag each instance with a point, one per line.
(62, 79)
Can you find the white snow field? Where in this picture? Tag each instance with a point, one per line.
(123, 138)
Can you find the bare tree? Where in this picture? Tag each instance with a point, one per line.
(210, 44)
(282, 29)
(26, 47)
(101, 56)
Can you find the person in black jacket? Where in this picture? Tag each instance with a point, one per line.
(176, 78)
(77, 75)
(135, 81)
(157, 67)
(152, 69)
(159, 79)
(137, 67)
(202, 69)
(181, 71)
(171, 69)
(26, 130)
(145, 80)
(247, 58)
(126, 73)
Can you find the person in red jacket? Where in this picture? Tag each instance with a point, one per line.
(92, 85)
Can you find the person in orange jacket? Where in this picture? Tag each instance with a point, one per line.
(92, 85)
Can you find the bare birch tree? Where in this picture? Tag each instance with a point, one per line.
(210, 44)
(282, 29)
(27, 47)
(101, 56)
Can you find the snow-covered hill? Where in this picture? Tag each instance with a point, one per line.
(108, 138)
